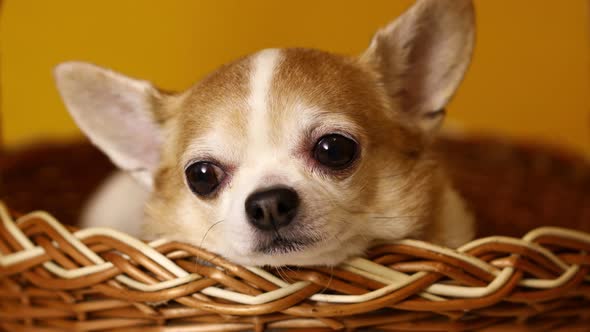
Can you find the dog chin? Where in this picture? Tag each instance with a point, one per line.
(320, 254)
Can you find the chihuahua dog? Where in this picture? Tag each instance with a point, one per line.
(287, 156)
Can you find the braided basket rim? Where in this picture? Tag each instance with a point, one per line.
(536, 244)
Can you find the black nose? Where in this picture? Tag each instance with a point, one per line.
(272, 208)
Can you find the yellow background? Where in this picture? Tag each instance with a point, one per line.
(530, 75)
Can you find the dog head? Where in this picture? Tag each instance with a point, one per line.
(288, 156)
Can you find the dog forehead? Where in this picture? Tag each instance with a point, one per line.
(273, 94)
(326, 83)
(217, 102)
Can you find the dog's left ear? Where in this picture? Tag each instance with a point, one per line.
(422, 57)
(117, 113)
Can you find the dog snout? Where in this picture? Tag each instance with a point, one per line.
(271, 209)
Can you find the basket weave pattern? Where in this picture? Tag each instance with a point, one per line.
(100, 279)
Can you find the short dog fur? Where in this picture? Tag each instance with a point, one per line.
(253, 126)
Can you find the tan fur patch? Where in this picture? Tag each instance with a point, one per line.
(216, 103)
(347, 88)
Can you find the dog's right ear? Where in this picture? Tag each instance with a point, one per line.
(117, 113)
(422, 56)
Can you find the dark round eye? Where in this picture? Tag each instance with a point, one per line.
(203, 177)
(335, 151)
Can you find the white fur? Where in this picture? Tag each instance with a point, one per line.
(456, 222)
(260, 157)
(263, 67)
(118, 204)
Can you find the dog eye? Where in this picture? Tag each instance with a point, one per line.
(203, 177)
(335, 151)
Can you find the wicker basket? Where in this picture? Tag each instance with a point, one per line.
(522, 274)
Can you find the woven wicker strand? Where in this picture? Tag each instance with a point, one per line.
(56, 278)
